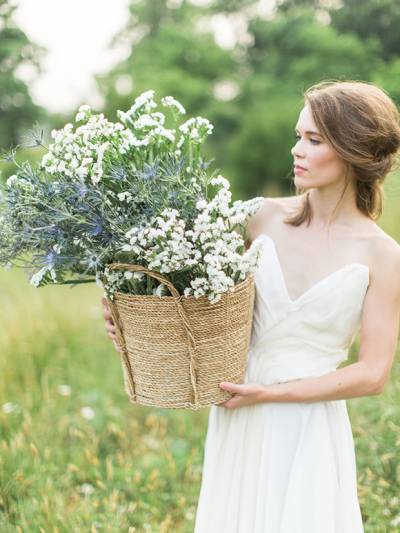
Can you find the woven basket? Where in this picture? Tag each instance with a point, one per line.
(176, 349)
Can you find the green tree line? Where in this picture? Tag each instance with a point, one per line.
(251, 90)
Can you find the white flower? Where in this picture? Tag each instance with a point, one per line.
(220, 180)
(64, 390)
(145, 121)
(87, 489)
(9, 407)
(128, 275)
(160, 290)
(169, 101)
(88, 413)
(196, 128)
(124, 196)
(396, 521)
(12, 179)
(83, 111)
(37, 278)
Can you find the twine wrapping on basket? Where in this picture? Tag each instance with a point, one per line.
(147, 329)
(181, 311)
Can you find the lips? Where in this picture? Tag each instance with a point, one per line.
(299, 167)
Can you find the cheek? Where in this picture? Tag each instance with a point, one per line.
(324, 158)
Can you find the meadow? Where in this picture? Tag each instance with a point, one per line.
(76, 456)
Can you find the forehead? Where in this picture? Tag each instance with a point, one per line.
(305, 120)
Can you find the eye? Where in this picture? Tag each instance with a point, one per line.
(314, 141)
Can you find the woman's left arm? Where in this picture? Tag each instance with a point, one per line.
(378, 341)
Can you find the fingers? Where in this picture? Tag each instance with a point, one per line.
(106, 310)
(116, 346)
(109, 325)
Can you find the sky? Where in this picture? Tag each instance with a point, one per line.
(77, 35)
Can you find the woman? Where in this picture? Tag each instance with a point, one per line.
(279, 454)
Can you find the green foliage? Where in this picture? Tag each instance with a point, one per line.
(387, 76)
(378, 19)
(261, 148)
(296, 50)
(17, 111)
(171, 56)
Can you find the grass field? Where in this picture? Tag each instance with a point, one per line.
(76, 456)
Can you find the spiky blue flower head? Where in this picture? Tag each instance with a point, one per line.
(117, 172)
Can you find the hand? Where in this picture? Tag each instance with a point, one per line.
(244, 394)
(110, 326)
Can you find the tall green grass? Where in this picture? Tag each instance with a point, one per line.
(76, 456)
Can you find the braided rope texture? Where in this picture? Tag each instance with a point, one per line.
(175, 349)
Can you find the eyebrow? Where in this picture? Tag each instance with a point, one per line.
(310, 132)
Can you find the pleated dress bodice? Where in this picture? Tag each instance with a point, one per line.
(309, 335)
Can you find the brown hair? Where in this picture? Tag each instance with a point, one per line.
(362, 124)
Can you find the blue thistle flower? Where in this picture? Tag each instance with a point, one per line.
(117, 172)
(149, 171)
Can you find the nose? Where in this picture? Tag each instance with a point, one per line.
(297, 151)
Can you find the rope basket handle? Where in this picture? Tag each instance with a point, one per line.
(188, 330)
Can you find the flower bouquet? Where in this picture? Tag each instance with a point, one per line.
(132, 206)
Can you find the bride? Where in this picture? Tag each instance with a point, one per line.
(279, 454)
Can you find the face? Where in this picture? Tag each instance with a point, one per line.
(322, 166)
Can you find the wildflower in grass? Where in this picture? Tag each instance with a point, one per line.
(87, 413)
(64, 390)
(8, 407)
(87, 489)
(396, 521)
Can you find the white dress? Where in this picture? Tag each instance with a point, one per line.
(287, 467)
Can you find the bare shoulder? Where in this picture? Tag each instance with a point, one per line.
(383, 247)
(385, 259)
(271, 209)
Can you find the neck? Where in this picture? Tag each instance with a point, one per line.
(323, 202)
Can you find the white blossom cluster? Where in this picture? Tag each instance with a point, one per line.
(144, 103)
(113, 280)
(36, 279)
(169, 101)
(80, 154)
(151, 125)
(196, 130)
(162, 244)
(211, 248)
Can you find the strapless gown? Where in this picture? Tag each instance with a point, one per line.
(287, 467)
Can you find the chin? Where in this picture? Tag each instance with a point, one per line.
(299, 181)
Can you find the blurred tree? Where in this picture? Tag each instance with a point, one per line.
(289, 53)
(17, 111)
(387, 76)
(173, 51)
(379, 19)
(296, 49)
(252, 93)
(369, 19)
(167, 50)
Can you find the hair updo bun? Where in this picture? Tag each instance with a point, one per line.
(362, 124)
